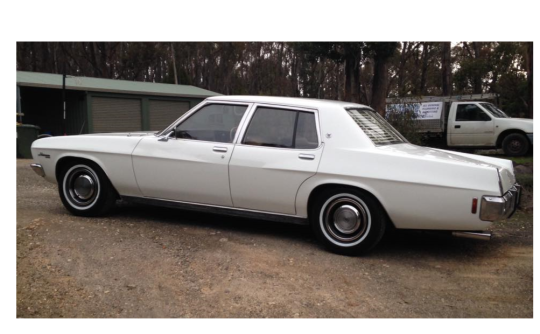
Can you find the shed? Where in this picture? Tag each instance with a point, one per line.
(96, 105)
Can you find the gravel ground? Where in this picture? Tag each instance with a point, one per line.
(154, 262)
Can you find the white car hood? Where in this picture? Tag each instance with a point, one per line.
(122, 134)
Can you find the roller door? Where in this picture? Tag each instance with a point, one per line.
(163, 113)
(116, 115)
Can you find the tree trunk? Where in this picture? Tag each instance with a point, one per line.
(529, 58)
(380, 78)
(349, 67)
(356, 81)
(446, 69)
(425, 52)
(173, 55)
(477, 79)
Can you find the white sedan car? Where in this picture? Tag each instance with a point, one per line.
(337, 166)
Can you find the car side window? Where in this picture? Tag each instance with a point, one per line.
(306, 131)
(214, 122)
(283, 128)
(470, 112)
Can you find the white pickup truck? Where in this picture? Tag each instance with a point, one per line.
(469, 122)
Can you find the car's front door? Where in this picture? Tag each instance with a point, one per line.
(192, 166)
(472, 126)
(278, 150)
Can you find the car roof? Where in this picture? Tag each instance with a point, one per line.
(290, 101)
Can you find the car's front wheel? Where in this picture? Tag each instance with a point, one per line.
(85, 190)
(347, 221)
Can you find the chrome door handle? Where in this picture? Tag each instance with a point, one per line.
(304, 156)
(220, 149)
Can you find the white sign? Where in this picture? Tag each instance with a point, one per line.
(423, 111)
(430, 110)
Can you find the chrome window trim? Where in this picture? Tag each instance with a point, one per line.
(280, 106)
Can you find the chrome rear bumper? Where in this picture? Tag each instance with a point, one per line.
(495, 208)
(38, 169)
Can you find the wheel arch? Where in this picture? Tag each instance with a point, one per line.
(67, 159)
(325, 186)
(505, 133)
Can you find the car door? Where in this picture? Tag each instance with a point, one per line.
(192, 166)
(278, 150)
(472, 126)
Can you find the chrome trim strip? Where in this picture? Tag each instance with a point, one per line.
(217, 209)
(199, 106)
(500, 181)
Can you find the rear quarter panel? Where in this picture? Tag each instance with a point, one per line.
(417, 191)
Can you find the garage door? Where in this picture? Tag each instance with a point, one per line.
(116, 115)
(163, 113)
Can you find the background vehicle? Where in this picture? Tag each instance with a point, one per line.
(470, 121)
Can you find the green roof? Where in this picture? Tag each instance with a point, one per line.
(48, 80)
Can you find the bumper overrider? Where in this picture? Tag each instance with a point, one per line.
(38, 169)
(496, 208)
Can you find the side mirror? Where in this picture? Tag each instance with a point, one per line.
(170, 134)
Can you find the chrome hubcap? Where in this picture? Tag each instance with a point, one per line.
(345, 219)
(83, 187)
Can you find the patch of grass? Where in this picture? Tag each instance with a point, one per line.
(521, 160)
(517, 160)
(525, 180)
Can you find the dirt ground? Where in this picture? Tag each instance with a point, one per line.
(154, 262)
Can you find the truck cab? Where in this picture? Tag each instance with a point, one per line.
(482, 124)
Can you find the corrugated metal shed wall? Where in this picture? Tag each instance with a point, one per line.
(116, 114)
(163, 113)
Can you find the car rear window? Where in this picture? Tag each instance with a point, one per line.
(375, 127)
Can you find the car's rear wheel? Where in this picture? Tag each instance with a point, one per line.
(85, 190)
(347, 221)
(515, 145)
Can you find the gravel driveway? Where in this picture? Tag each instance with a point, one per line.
(154, 262)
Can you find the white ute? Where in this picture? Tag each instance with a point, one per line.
(467, 123)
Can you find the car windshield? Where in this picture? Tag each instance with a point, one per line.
(375, 127)
(496, 112)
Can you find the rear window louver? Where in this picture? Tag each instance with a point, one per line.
(375, 127)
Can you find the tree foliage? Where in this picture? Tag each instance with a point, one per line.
(364, 72)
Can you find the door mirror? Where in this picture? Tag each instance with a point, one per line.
(170, 134)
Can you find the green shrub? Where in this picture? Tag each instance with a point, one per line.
(406, 123)
(525, 180)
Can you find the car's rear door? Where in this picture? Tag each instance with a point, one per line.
(277, 151)
(192, 166)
